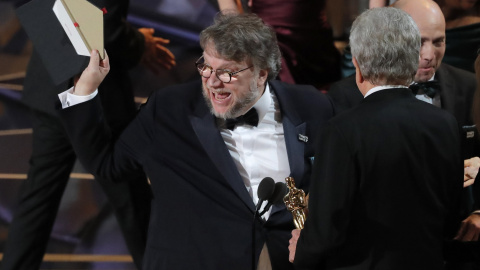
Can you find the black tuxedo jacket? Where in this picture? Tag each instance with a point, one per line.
(202, 214)
(383, 194)
(124, 45)
(457, 87)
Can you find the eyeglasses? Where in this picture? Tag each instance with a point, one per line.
(223, 75)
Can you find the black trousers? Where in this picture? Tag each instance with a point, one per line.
(50, 166)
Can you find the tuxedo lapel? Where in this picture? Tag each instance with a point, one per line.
(295, 148)
(203, 123)
(294, 127)
(447, 90)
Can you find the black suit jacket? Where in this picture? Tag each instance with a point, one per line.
(383, 194)
(457, 87)
(124, 45)
(202, 214)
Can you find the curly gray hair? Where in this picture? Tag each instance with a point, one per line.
(241, 37)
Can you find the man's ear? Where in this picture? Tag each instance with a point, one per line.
(358, 73)
(262, 77)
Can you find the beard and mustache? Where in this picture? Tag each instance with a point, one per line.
(241, 102)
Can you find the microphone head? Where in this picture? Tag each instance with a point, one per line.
(279, 192)
(266, 188)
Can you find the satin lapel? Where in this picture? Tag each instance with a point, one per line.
(203, 124)
(293, 126)
(447, 90)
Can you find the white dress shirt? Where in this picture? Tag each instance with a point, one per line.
(382, 87)
(68, 98)
(260, 152)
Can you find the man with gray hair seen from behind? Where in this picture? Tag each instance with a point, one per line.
(384, 195)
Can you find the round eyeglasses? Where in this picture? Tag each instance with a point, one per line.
(223, 75)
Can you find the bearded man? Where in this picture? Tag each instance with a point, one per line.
(207, 146)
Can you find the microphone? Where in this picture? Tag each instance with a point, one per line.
(279, 192)
(265, 191)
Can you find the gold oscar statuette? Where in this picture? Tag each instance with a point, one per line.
(296, 203)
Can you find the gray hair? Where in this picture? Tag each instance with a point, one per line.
(386, 44)
(242, 37)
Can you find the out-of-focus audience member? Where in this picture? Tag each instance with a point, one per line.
(476, 103)
(463, 31)
(468, 257)
(379, 3)
(309, 55)
(384, 195)
(53, 157)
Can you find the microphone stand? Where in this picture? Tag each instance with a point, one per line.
(265, 191)
(255, 216)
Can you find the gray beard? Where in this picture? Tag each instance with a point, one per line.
(239, 107)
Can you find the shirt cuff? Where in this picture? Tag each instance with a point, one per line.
(67, 98)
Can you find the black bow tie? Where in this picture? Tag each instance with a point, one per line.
(250, 118)
(429, 88)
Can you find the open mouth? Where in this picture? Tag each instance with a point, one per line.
(220, 96)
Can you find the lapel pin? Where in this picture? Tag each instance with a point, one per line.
(302, 138)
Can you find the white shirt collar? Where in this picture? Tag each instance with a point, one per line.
(383, 87)
(263, 104)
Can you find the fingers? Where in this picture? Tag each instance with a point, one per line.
(146, 31)
(291, 255)
(94, 59)
(158, 59)
(469, 229)
(166, 52)
(471, 167)
(293, 244)
(165, 57)
(292, 248)
(470, 173)
(93, 75)
(96, 62)
(162, 41)
(472, 162)
(469, 182)
(468, 234)
(105, 63)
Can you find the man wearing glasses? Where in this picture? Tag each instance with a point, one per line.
(206, 147)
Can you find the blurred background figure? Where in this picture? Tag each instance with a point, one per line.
(462, 31)
(476, 104)
(309, 55)
(379, 3)
(53, 158)
(85, 224)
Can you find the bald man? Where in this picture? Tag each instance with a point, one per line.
(454, 93)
